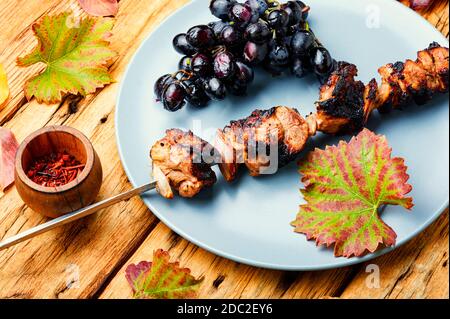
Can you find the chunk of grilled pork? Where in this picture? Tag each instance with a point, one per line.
(178, 164)
(264, 141)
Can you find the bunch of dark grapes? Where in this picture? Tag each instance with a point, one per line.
(220, 57)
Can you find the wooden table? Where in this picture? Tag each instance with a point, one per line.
(91, 255)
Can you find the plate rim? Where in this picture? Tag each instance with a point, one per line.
(343, 262)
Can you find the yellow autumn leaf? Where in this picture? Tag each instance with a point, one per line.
(4, 88)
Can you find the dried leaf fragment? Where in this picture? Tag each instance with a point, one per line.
(161, 279)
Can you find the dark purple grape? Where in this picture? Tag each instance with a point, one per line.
(195, 94)
(231, 36)
(244, 73)
(220, 8)
(321, 60)
(287, 40)
(236, 50)
(255, 15)
(306, 63)
(201, 64)
(259, 6)
(273, 68)
(297, 68)
(224, 65)
(258, 32)
(281, 33)
(237, 88)
(185, 63)
(214, 88)
(161, 83)
(323, 78)
(278, 19)
(279, 54)
(255, 53)
(294, 11)
(182, 46)
(302, 42)
(217, 27)
(200, 36)
(240, 14)
(173, 97)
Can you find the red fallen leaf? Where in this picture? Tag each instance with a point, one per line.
(344, 187)
(100, 8)
(8, 149)
(161, 278)
(420, 4)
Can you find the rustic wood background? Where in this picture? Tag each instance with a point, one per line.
(102, 245)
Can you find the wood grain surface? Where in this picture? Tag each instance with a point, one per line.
(87, 259)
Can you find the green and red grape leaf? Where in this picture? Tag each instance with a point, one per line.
(76, 55)
(162, 279)
(345, 185)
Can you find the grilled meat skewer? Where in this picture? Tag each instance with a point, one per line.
(178, 159)
(344, 106)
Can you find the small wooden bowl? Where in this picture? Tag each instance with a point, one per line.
(56, 201)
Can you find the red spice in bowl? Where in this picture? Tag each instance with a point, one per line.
(58, 200)
(56, 169)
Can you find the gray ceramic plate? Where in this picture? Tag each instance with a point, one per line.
(249, 221)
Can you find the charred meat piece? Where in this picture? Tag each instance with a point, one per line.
(264, 141)
(346, 104)
(371, 99)
(178, 163)
(341, 103)
(414, 80)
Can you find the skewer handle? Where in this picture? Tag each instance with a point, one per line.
(68, 218)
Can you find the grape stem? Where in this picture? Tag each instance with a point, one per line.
(186, 75)
(218, 49)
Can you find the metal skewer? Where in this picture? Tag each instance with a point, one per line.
(68, 218)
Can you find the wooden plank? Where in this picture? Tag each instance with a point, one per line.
(99, 243)
(226, 279)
